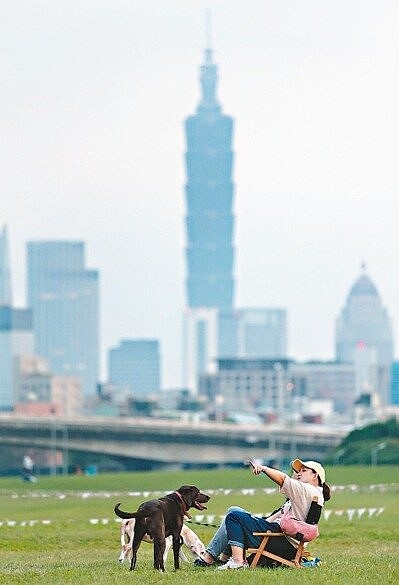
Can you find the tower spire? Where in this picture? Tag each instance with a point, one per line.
(208, 25)
(208, 71)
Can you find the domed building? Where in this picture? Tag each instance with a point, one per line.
(364, 337)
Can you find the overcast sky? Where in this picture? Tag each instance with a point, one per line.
(94, 94)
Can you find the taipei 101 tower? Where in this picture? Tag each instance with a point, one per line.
(209, 231)
(209, 196)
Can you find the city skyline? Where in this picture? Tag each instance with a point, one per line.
(93, 149)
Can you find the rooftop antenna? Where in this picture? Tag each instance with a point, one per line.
(208, 34)
(208, 75)
(209, 28)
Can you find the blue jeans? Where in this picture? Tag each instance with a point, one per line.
(240, 525)
(228, 532)
(219, 543)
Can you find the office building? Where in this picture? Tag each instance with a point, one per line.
(16, 339)
(395, 383)
(200, 345)
(134, 367)
(364, 336)
(262, 333)
(244, 385)
(328, 381)
(63, 295)
(5, 278)
(39, 393)
(32, 379)
(66, 391)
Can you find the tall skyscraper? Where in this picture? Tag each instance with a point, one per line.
(209, 226)
(16, 339)
(364, 337)
(5, 278)
(209, 198)
(134, 367)
(63, 295)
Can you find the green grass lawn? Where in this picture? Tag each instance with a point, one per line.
(73, 550)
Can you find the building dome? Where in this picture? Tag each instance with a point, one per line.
(363, 287)
(364, 335)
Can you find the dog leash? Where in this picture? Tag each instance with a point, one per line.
(218, 525)
(202, 523)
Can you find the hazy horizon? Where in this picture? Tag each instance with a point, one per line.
(94, 98)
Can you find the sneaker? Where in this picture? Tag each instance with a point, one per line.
(201, 563)
(232, 564)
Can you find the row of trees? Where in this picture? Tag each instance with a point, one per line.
(376, 444)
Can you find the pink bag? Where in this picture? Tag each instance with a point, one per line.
(298, 529)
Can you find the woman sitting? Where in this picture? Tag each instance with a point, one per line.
(236, 531)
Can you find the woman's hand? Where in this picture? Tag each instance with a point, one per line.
(257, 468)
(274, 474)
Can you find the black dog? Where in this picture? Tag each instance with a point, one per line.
(161, 518)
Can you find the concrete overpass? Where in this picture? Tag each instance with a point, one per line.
(170, 442)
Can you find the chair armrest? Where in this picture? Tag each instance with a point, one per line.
(268, 533)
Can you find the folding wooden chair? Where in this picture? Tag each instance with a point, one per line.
(312, 518)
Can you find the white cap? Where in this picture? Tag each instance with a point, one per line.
(319, 469)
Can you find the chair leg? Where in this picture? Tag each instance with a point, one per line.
(298, 556)
(258, 552)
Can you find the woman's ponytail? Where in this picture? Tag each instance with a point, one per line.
(326, 492)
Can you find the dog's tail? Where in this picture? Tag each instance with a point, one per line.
(122, 514)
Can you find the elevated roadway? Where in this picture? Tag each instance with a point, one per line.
(170, 441)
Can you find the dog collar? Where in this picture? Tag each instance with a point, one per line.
(183, 505)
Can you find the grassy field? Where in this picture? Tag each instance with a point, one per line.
(63, 529)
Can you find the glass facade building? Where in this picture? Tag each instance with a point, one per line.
(134, 367)
(5, 278)
(63, 296)
(16, 339)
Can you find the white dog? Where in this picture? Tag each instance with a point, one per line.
(189, 538)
